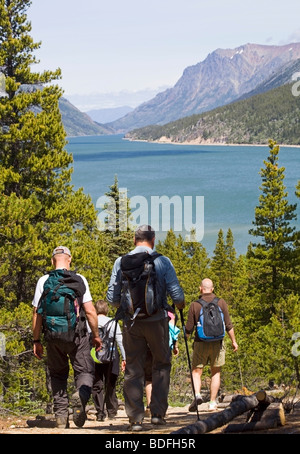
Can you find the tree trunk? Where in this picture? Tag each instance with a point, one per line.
(272, 417)
(238, 406)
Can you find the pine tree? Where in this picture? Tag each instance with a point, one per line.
(297, 250)
(39, 207)
(273, 256)
(118, 233)
(223, 265)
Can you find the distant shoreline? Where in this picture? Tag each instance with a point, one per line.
(169, 142)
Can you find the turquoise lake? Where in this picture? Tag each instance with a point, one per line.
(224, 181)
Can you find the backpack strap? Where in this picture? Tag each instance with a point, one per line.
(154, 255)
(205, 303)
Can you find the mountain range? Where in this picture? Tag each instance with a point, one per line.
(77, 123)
(224, 76)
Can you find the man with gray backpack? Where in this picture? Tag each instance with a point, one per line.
(62, 303)
(107, 362)
(210, 316)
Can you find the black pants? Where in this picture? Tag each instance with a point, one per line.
(104, 391)
(136, 339)
(58, 355)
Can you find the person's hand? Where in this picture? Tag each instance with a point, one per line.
(180, 306)
(123, 365)
(235, 346)
(175, 350)
(97, 342)
(38, 350)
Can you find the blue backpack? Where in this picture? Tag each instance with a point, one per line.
(210, 326)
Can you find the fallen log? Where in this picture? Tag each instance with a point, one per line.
(239, 405)
(270, 418)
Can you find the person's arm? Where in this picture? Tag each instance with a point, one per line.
(191, 320)
(36, 330)
(37, 319)
(173, 288)
(92, 319)
(232, 338)
(113, 294)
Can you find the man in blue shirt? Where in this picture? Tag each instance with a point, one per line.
(153, 331)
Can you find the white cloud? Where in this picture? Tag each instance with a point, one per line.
(292, 38)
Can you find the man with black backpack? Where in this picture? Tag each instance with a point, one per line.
(211, 318)
(62, 303)
(139, 286)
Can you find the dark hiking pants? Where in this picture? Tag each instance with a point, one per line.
(58, 356)
(104, 391)
(136, 340)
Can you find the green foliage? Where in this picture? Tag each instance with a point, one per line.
(22, 382)
(274, 256)
(40, 208)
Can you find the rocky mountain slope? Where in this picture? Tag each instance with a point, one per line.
(77, 123)
(224, 76)
(271, 115)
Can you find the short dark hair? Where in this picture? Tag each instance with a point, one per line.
(144, 233)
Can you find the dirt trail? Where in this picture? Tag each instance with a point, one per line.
(177, 417)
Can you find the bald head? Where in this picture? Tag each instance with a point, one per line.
(206, 286)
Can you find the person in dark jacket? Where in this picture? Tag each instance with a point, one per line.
(204, 353)
(153, 331)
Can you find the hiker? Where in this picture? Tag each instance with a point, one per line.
(173, 344)
(62, 347)
(145, 323)
(212, 352)
(106, 374)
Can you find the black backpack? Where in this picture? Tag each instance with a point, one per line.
(60, 305)
(139, 284)
(210, 326)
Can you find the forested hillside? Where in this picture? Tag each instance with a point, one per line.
(274, 114)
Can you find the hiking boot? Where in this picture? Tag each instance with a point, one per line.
(197, 401)
(62, 422)
(100, 417)
(79, 415)
(158, 420)
(212, 406)
(136, 426)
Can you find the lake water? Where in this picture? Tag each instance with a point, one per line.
(225, 178)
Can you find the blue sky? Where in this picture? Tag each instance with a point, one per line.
(133, 45)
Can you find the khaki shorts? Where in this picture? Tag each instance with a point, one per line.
(212, 353)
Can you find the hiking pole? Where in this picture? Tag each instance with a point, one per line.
(240, 369)
(189, 360)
